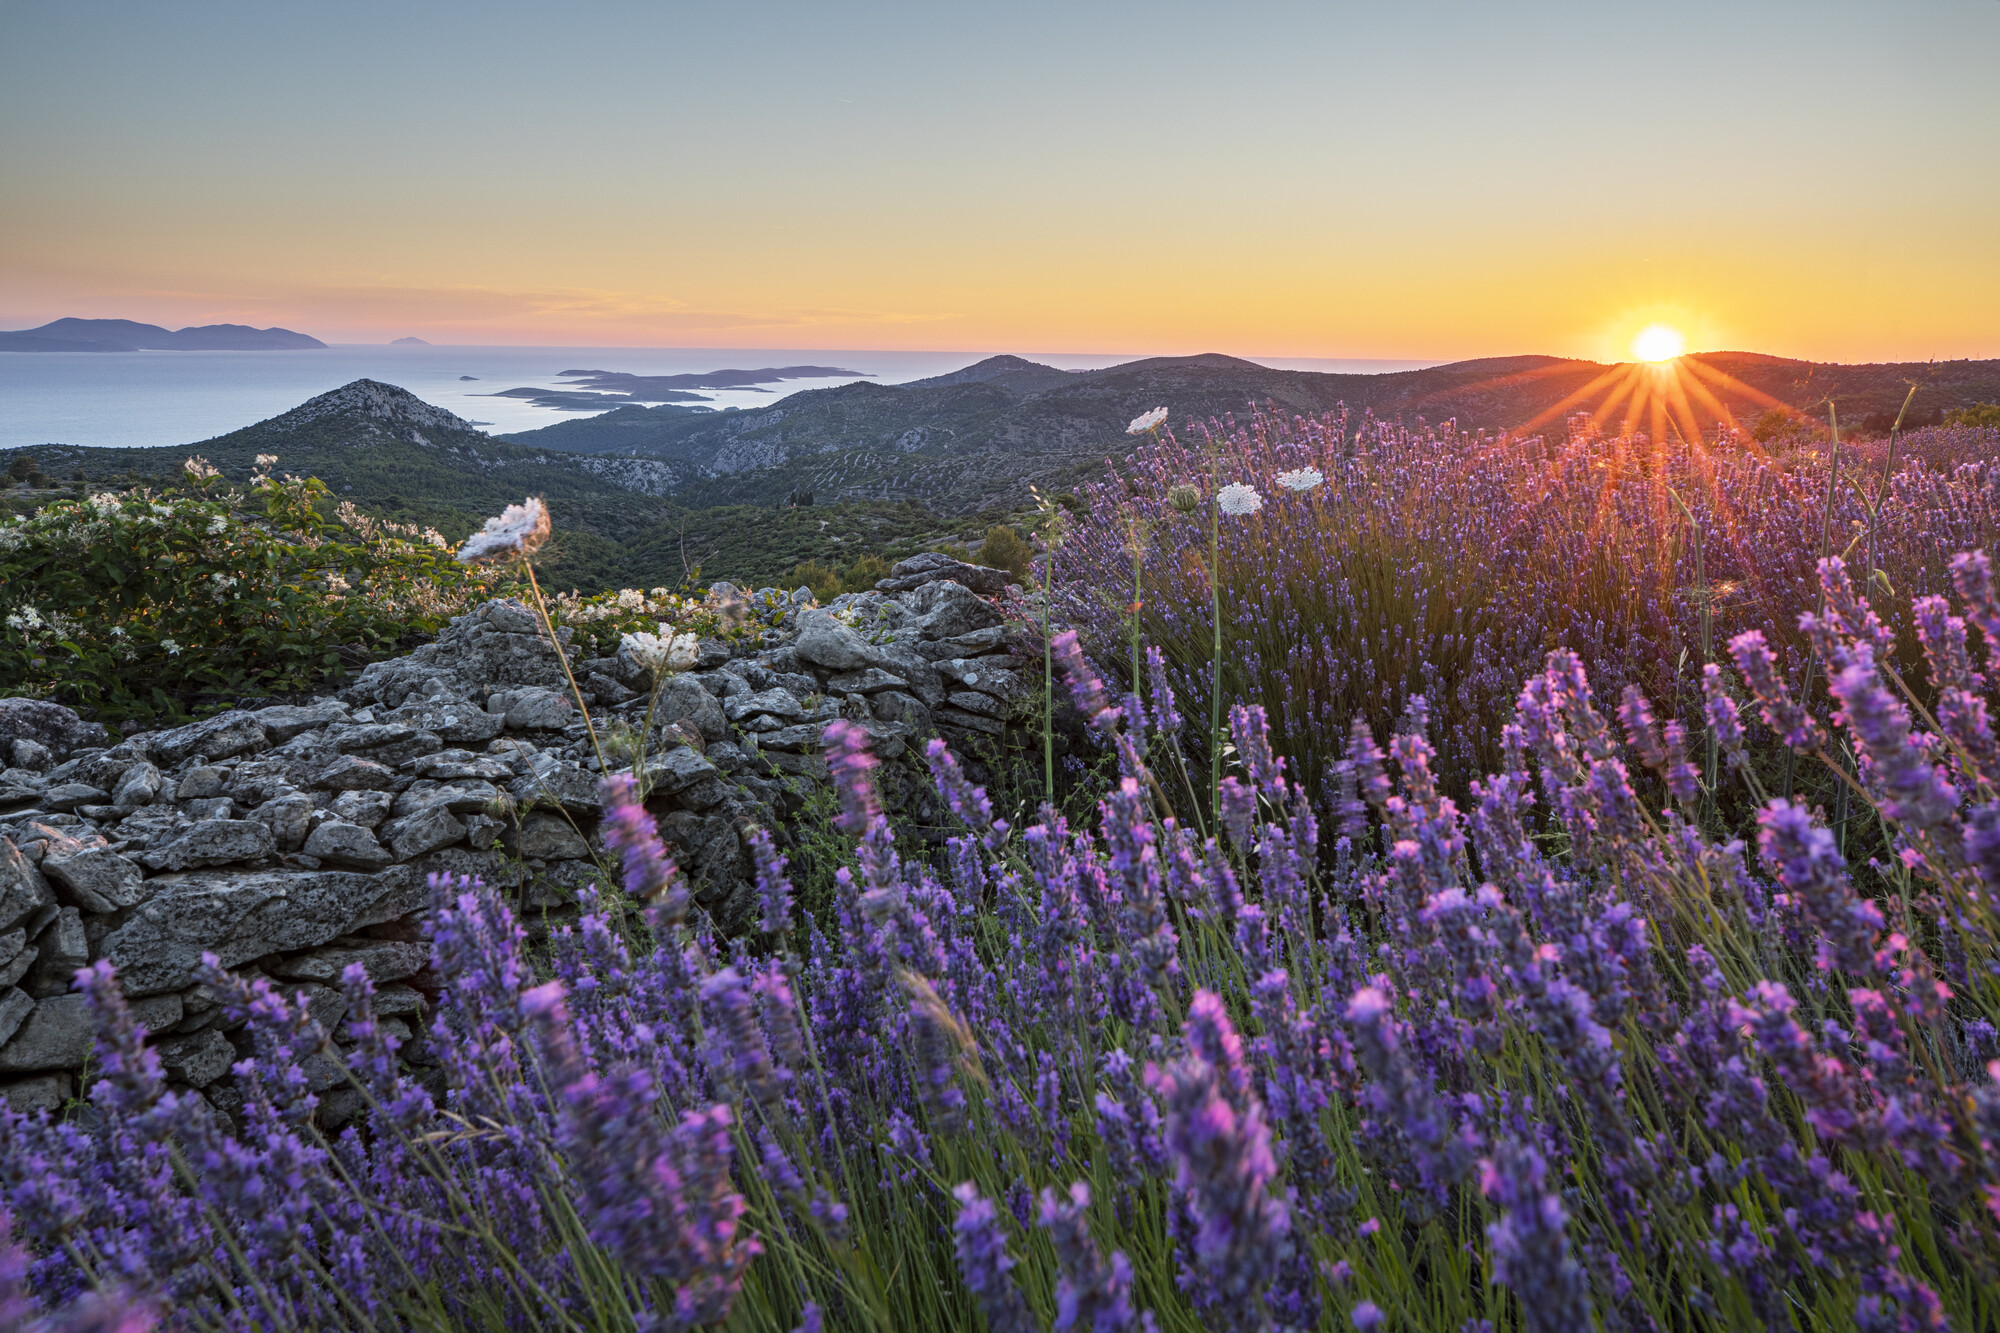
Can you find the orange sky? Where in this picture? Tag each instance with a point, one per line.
(1443, 181)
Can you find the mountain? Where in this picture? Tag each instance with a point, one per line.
(124, 335)
(976, 438)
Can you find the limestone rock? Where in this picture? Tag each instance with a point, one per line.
(548, 836)
(288, 816)
(337, 842)
(39, 1092)
(99, 879)
(350, 773)
(50, 726)
(15, 1006)
(285, 721)
(366, 809)
(683, 699)
(68, 796)
(825, 641)
(212, 842)
(774, 702)
(929, 567)
(196, 1060)
(385, 960)
(57, 1034)
(948, 609)
(240, 915)
(425, 831)
(204, 783)
(23, 890)
(220, 737)
(533, 709)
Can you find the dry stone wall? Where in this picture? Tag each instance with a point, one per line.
(294, 840)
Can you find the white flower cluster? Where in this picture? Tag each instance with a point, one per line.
(572, 609)
(518, 530)
(662, 652)
(1301, 479)
(27, 620)
(1147, 421)
(1237, 499)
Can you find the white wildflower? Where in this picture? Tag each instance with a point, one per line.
(266, 460)
(117, 631)
(631, 599)
(1302, 479)
(27, 618)
(104, 502)
(218, 525)
(198, 468)
(1237, 499)
(662, 652)
(170, 648)
(1147, 421)
(519, 530)
(437, 539)
(223, 582)
(336, 584)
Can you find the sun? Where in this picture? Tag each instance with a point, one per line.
(1658, 342)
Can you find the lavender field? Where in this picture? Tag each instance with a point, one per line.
(1590, 924)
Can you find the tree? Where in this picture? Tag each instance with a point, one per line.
(1004, 549)
(1980, 414)
(23, 467)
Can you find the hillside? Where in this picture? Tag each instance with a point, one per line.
(125, 335)
(974, 439)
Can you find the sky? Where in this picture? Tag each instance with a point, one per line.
(1412, 179)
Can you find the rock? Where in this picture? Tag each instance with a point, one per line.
(99, 879)
(156, 1013)
(796, 765)
(425, 831)
(482, 831)
(684, 775)
(976, 644)
(558, 784)
(908, 663)
(896, 706)
(367, 809)
(549, 837)
(774, 702)
(533, 709)
(988, 677)
(957, 717)
(41, 1092)
(453, 722)
(326, 1005)
(804, 737)
(204, 783)
(461, 798)
(385, 960)
(61, 948)
(825, 641)
(607, 690)
(23, 890)
(974, 702)
(52, 727)
(285, 721)
(197, 1060)
(397, 1000)
(930, 566)
(500, 871)
(357, 737)
(351, 773)
(56, 1034)
(864, 682)
(288, 816)
(69, 795)
(682, 698)
(451, 765)
(15, 1006)
(241, 915)
(17, 967)
(30, 755)
(948, 609)
(220, 737)
(337, 842)
(213, 842)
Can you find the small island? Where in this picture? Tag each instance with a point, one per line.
(408, 342)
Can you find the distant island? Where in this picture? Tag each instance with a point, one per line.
(125, 335)
(408, 342)
(595, 390)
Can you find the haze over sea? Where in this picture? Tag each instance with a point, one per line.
(131, 399)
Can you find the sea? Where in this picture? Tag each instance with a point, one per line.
(126, 399)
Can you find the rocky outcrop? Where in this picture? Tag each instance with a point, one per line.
(293, 839)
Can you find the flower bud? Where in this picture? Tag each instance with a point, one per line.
(1184, 498)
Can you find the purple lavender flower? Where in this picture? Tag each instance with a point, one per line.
(984, 1263)
(1232, 1226)
(1774, 696)
(1919, 793)
(1531, 1244)
(1808, 865)
(1166, 717)
(1091, 1292)
(1720, 711)
(650, 875)
(774, 888)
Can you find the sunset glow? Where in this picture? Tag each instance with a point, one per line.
(1658, 342)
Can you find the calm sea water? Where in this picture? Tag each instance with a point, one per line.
(175, 398)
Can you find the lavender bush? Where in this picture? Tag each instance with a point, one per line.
(1389, 561)
(1556, 1059)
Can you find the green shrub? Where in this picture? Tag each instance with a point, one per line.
(1982, 415)
(1004, 549)
(139, 605)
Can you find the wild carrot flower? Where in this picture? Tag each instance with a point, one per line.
(1237, 499)
(518, 530)
(1301, 479)
(1147, 421)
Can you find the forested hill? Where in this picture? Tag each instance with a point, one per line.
(976, 438)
